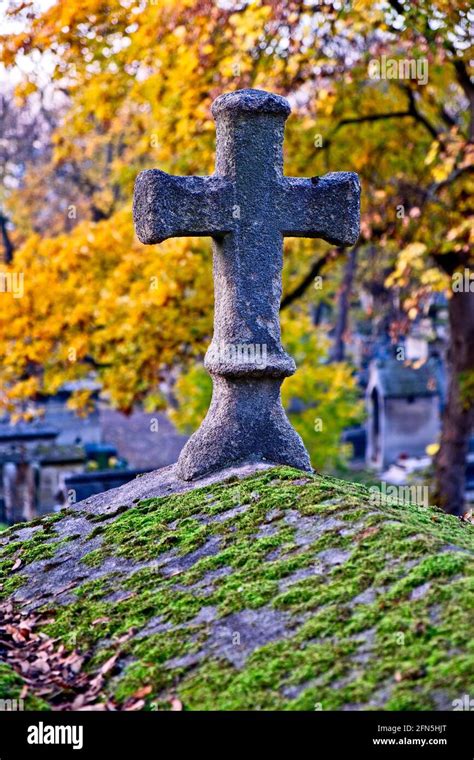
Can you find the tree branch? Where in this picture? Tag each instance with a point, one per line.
(362, 119)
(436, 186)
(418, 116)
(465, 82)
(309, 277)
(449, 262)
(460, 67)
(373, 117)
(412, 112)
(399, 7)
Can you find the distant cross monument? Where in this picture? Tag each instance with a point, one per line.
(247, 207)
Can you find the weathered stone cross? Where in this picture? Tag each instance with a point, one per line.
(247, 207)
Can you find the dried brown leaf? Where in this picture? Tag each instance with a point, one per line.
(143, 692)
(109, 664)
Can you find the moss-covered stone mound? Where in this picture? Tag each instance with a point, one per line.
(278, 591)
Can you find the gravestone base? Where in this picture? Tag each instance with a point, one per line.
(245, 423)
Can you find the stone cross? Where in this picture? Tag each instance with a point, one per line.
(246, 207)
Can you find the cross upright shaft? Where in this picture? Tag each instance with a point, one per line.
(247, 207)
(248, 262)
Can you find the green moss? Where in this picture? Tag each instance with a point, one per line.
(41, 545)
(10, 584)
(389, 648)
(11, 685)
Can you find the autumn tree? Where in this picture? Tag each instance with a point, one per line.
(139, 80)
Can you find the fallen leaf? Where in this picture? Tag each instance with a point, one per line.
(131, 706)
(100, 620)
(78, 702)
(41, 666)
(143, 692)
(109, 664)
(76, 665)
(368, 532)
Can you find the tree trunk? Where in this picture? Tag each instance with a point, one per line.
(458, 415)
(338, 347)
(7, 243)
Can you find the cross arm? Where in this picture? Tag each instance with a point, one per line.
(165, 206)
(326, 207)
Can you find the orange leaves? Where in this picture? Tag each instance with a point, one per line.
(81, 402)
(24, 90)
(98, 293)
(137, 80)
